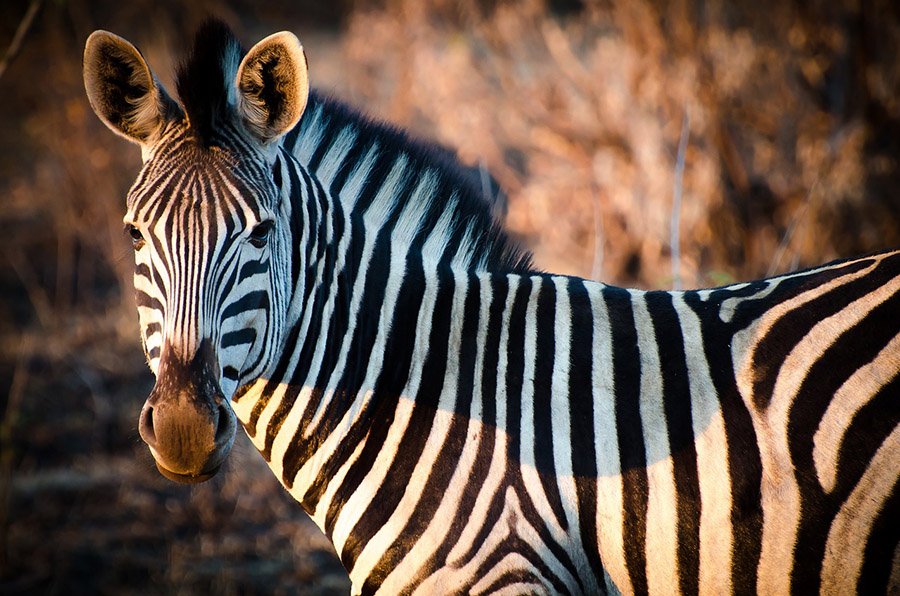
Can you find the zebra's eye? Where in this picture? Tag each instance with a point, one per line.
(260, 234)
(137, 239)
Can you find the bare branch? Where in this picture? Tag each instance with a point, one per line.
(16, 44)
(798, 218)
(675, 232)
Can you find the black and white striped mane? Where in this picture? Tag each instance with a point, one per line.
(204, 84)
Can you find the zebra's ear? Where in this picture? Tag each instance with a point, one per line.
(122, 90)
(273, 86)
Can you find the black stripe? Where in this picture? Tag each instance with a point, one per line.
(581, 407)
(883, 540)
(289, 140)
(515, 371)
(744, 463)
(380, 171)
(142, 270)
(515, 544)
(224, 285)
(352, 161)
(330, 130)
(316, 294)
(300, 220)
(679, 424)
(515, 380)
(147, 301)
(251, 268)
(545, 353)
(448, 459)
(236, 338)
(255, 300)
(276, 172)
(152, 328)
(377, 274)
(632, 451)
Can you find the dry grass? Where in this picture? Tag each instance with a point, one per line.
(791, 159)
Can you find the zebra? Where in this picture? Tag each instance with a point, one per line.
(454, 419)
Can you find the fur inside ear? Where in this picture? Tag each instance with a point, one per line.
(273, 86)
(122, 90)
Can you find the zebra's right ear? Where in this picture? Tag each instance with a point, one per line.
(122, 90)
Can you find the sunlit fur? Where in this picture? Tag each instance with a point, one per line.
(457, 422)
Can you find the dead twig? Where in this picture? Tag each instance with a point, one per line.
(21, 31)
(597, 265)
(7, 455)
(798, 218)
(675, 228)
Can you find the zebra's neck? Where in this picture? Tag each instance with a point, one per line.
(372, 211)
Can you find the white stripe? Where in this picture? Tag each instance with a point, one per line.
(334, 156)
(362, 497)
(561, 419)
(662, 517)
(711, 445)
(351, 190)
(374, 217)
(606, 445)
(312, 466)
(513, 520)
(311, 136)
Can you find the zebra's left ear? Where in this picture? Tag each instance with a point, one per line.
(273, 86)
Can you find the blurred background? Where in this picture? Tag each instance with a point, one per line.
(756, 137)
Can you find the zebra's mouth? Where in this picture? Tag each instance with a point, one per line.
(187, 478)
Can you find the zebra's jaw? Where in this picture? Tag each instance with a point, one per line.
(186, 421)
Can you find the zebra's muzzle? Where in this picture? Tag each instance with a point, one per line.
(189, 441)
(186, 421)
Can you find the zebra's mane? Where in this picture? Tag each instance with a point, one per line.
(470, 200)
(459, 201)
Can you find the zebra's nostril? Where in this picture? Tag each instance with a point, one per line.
(145, 428)
(223, 424)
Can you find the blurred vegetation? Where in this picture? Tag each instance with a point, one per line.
(791, 116)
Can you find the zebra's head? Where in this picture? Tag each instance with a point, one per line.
(210, 230)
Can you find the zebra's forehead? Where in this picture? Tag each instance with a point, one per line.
(220, 181)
